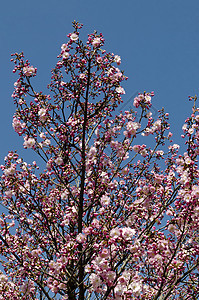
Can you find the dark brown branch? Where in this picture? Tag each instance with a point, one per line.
(81, 198)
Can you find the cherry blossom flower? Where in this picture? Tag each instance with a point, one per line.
(65, 55)
(131, 128)
(17, 125)
(96, 42)
(46, 143)
(136, 148)
(28, 142)
(117, 59)
(9, 193)
(64, 47)
(42, 135)
(11, 170)
(82, 76)
(95, 281)
(29, 71)
(74, 37)
(197, 118)
(42, 114)
(115, 233)
(81, 238)
(92, 152)
(99, 59)
(144, 152)
(119, 290)
(135, 287)
(59, 161)
(105, 200)
(128, 233)
(120, 90)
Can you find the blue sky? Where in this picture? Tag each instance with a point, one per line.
(157, 40)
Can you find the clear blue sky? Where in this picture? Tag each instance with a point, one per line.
(157, 40)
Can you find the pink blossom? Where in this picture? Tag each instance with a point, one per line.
(29, 71)
(9, 193)
(147, 131)
(105, 253)
(157, 125)
(119, 291)
(42, 135)
(42, 114)
(191, 130)
(128, 233)
(88, 269)
(117, 59)
(28, 142)
(105, 200)
(74, 37)
(138, 100)
(21, 102)
(136, 148)
(3, 278)
(195, 191)
(160, 152)
(110, 276)
(188, 160)
(96, 42)
(99, 59)
(158, 178)
(171, 228)
(46, 143)
(197, 118)
(81, 238)
(17, 125)
(144, 99)
(92, 152)
(95, 281)
(120, 90)
(17, 84)
(64, 47)
(136, 287)
(36, 252)
(11, 170)
(169, 212)
(144, 152)
(148, 99)
(115, 233)
(59, 161)
(175, 146)
(125, 171)
(131, 128)
(49, 164)
(28, 287)
(149, 114)
(65, 55)
(82, 76)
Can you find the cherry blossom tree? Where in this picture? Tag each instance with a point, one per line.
(108, 217)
